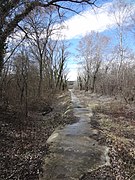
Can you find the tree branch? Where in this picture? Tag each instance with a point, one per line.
(14, 50)
(31, 6)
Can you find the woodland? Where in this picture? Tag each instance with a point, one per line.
(34, 76)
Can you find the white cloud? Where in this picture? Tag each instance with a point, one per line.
(99, 20)
(90, 20)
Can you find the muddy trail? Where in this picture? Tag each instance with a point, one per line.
(74, 150)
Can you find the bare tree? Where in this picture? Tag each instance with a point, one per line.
(21, 68)
(40, 30)
(62, 58)
(121, 14)
(13, 12)
(91, 49)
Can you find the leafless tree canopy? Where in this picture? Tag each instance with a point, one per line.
(13, 12)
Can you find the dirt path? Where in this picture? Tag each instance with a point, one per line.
(74, 149)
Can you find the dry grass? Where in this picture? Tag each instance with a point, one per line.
(116, 124)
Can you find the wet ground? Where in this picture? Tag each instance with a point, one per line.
(74, 149)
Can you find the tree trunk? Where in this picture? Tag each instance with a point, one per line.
(1, 63)
(87, 82)
(40, 80)
(2, 44)
(60, 74)
(93, 84)
(95, 77)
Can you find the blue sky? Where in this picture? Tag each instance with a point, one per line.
(99, 20)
